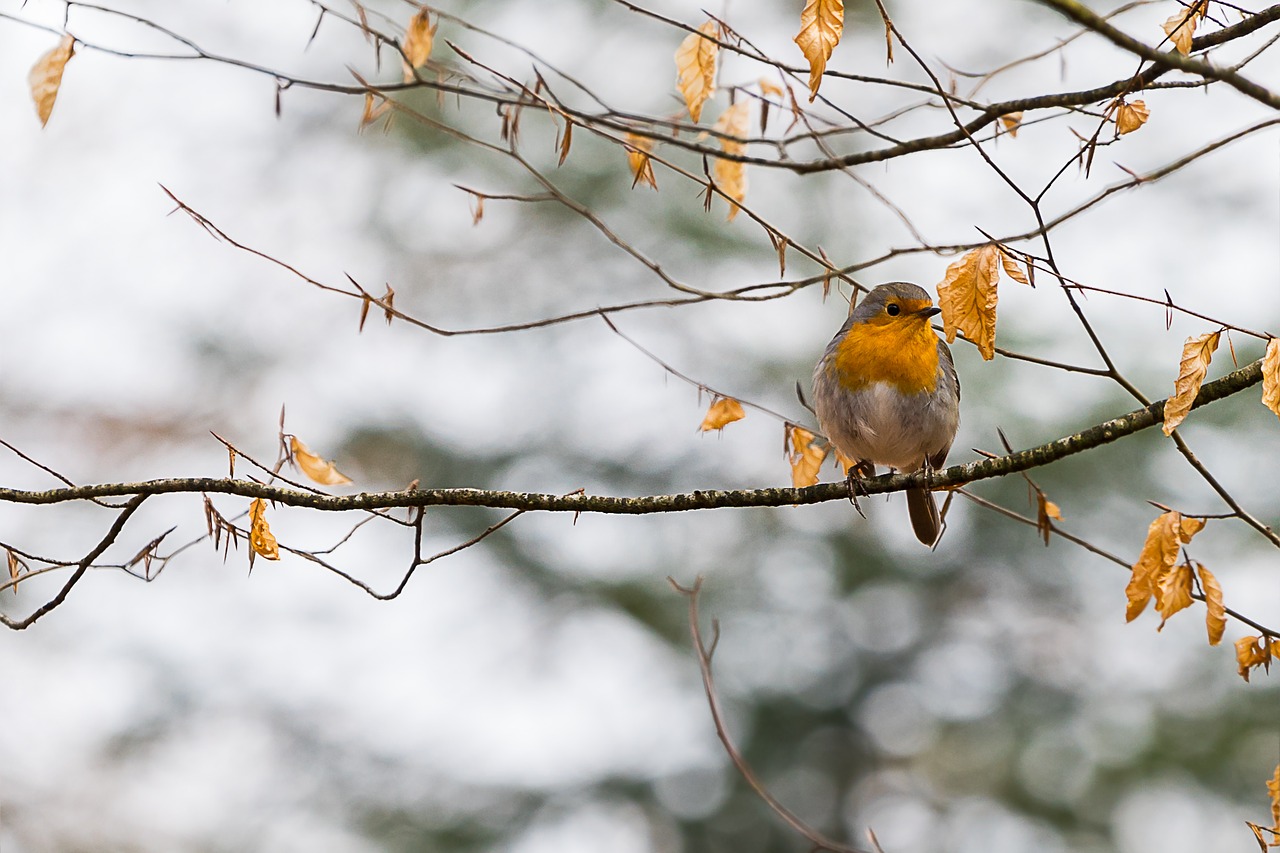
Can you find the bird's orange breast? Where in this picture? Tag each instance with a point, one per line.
(902, 354)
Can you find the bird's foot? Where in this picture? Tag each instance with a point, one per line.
(856, 474)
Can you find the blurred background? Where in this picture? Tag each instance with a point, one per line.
(539, 692)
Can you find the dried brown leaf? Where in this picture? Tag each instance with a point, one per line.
(731, 175)
(374, 107)
(15, 568)
(1046, 510)
(1173, 593)
(322, 471)
(261, 540)
(418, 39)
(1012, 269)
(638, 148)
(1252, 652)
(1197, 352)
(46, 77)
(805, 457)
(1181, 29)
(1131, 115)
(1156, 560)
(1011, 122)
(821, 25)
(696, 67)
(1215, 618)
(565, 141)
(723, 411)
(1273, 794)
(768, 87)
(967, 296)
(1271, 376)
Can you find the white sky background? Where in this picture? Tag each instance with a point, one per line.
(126, 335)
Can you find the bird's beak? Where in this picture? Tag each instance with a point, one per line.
(931, 311)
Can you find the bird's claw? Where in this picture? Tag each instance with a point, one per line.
(856, 474)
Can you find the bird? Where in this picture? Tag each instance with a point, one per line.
(886, 393)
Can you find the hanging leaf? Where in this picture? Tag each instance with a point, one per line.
(821, 25)
(638, 148)
(15, 568)
(1273, 794)
(1011, 122)
(1215, 618)
(723, 411)
(1012, 269)
(261, 541)
(731, 175)
(1181, 29)
(1173, 593)
(1159, 553)
(418, 39)
(1130, 116)
(696, 67)
(320, 470)
(46, 77)
(805, 457)
(1251, 653)
(1271, 376)
(1197, 352)
(1045, 511)
(967, 297)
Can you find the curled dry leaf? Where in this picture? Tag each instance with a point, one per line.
(1159, 552)
(806, 458)
(1273, 794)
(731, 175)
(1012, 269)
(418, 39)
(638, 148)
(320, 470)
(1197, 352)
(821, 25)
(46, 77)
(723, 411)
(566, 140)
(1011, 122)
(15, 569)
(768, 90)
(261, 540)
(1215, 618)
(1181, 29)
(1046, 510)
(696, 67)
(1271, 376)
(967, 297)
(1173, 593)
(1130, 116)
(374, 107)
(1251, 653)
(768, 87)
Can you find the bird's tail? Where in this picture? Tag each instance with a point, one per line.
(924, 516)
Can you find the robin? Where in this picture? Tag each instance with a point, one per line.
(886, 393)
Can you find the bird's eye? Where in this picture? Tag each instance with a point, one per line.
(892, 309)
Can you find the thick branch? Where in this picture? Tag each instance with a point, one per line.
(984, 469)
(1081, 14)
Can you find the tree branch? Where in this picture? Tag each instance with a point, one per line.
(1035, 457)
